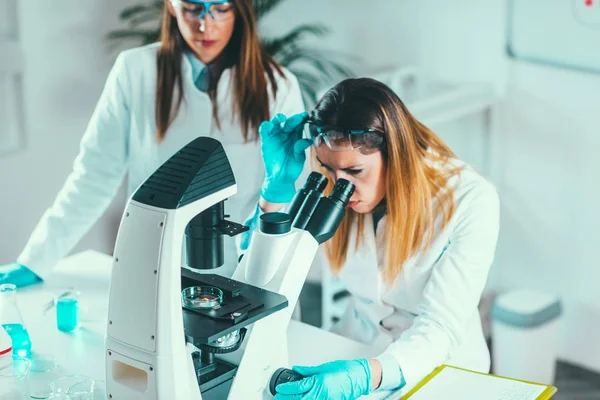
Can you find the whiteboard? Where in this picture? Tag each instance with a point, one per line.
(564, 33)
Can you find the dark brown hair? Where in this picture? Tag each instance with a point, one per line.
(253, 65)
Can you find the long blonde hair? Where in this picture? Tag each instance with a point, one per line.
(417, 190)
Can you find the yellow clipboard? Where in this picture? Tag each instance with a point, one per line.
(546, 394)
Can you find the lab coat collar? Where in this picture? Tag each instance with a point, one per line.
(194, 64)
(191, 67)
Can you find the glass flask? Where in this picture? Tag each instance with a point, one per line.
(12, 321)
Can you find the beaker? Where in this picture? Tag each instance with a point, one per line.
(99, 390)
(12, 321)
(44, 370)
(73, 387)
(67, 312)
(14, 380)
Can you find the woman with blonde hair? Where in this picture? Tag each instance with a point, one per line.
(414, 248)
(208, 76)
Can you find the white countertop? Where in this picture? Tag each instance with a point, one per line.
(82, 352)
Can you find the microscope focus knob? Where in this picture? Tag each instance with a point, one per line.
(283, 375)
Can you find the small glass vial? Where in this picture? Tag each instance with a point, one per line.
(67, 313)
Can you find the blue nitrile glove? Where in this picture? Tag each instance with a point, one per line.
(251, 223)
(18, 275)
(283, 155)
(340, 380)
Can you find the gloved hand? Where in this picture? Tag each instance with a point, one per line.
(283, 155)
(340, 380)
(251, 223)
(18, 275)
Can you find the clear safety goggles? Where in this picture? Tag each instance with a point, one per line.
(340, 139)
(194, 11)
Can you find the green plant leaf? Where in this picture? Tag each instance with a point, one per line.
(139, 14)
(309, 86)
(315, 69)
(263, 7)
(153, 17)
(144, 36)
(132, 11)
(275, 46)
(331, 64)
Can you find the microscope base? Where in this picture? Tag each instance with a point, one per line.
(219, 373)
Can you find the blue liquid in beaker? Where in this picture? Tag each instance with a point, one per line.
(67, 314)
(20, 340)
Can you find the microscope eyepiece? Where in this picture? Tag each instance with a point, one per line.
(316, 182)
(342, 191)
(313, 188)
(326, 216)
(312, 211)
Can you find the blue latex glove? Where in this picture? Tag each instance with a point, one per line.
(251, 223)
(283, 155)
(18, 275)
(340, 380)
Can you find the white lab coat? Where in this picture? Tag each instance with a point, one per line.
(429, 316)
(120, 141)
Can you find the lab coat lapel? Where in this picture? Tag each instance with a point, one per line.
(362, 276)
(360, 270)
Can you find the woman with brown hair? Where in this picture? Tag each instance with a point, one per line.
(208, 76)
(414, 248)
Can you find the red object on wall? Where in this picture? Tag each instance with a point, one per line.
(589, 3)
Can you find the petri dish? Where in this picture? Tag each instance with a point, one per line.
(201, 297)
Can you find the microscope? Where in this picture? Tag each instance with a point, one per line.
(178, 331)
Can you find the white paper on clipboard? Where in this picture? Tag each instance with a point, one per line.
(457, 384)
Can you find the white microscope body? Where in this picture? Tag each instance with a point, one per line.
(152, 344)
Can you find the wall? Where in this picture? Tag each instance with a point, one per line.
(393, 33)
(550, 134)
(66, 61)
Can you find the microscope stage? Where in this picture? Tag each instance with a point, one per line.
(242, 305)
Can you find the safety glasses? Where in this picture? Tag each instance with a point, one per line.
(194, 11)
(339, 139)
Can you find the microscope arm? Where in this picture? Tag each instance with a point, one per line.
(278, 259)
